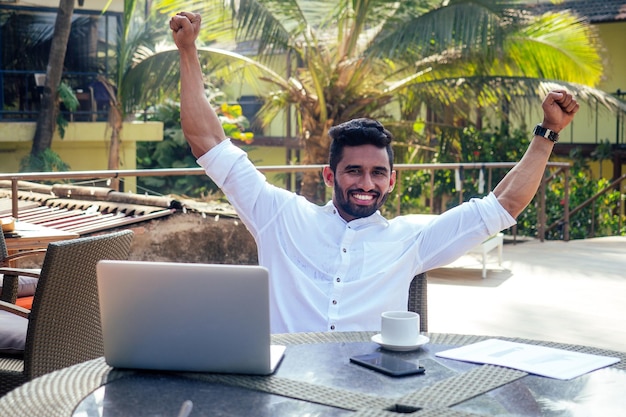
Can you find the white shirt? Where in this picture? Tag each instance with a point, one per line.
(329, 274)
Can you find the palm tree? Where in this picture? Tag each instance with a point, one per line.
(133, 33)
(349, 58)
(146, 71)
(143, 74)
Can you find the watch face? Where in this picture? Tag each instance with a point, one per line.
(540, 131)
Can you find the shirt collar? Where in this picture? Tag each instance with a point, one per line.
(375, 218)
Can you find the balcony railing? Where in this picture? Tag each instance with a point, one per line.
(24, 89)
(558, 168)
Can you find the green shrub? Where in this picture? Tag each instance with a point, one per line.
(492, 145)
(174, 152)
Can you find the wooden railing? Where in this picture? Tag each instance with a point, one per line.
(567, 213)
(561, 168)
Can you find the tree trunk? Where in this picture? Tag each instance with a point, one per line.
(46, 121)
(115, 121)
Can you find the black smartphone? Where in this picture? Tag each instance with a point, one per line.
(387, 364)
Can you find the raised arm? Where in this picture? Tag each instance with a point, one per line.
(520, 184)
(199, 122)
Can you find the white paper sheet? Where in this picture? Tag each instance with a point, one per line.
(539, 360)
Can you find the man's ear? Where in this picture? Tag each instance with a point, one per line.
(329, 176)
(392, 181)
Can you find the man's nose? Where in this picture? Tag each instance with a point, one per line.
(367, 182)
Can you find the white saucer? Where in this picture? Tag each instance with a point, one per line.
(421, 340)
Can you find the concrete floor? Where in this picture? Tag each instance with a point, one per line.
(569, 292)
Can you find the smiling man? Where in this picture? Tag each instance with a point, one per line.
(360, 167)
(337, 267)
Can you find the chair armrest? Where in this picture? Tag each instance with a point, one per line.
(10, 282)
(19, 255)
(12, 308)
(21, 271)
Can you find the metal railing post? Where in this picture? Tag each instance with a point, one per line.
(541, 213)
(566, 205)
(14, 204)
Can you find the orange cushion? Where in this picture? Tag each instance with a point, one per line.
(26, 302)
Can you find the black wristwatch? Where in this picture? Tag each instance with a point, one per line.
(546, 133)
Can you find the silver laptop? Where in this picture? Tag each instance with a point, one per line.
(186, 317)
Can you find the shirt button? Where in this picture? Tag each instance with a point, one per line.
(335, 302)
(338, 279)
(344, 250)
(332, 327)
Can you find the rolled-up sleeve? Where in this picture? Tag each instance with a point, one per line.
(218, 162)
(496, 218)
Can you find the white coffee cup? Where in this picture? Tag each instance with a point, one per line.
(399, 328)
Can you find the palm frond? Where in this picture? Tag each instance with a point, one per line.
(464, 26)
(153, 78)
(156, 75)
(486, 91)
(557, 46)
(271, 24)
(217, 19)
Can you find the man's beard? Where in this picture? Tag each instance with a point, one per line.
(356, 210)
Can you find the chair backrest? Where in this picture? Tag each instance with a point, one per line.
(8, 292)
(4, 252)
(418, 299)
(64, 325)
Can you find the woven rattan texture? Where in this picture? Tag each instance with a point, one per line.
(440, 412)
(313, 393)
(64, 324)
(8, 292)
(443, 412)
(460, 388)
(58, 394)
(375, 413)
(328, 337)
(9, 289)
(418, 299)
(4, 252)
(444, 394)
(58, 399)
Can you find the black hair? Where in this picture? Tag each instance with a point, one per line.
(358, 132)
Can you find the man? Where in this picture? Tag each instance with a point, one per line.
(337, 267)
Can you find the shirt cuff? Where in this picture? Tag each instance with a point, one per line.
(504, 220)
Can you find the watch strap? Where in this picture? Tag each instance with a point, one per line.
(546, 133)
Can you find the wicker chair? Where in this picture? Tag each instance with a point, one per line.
(9, 289)
(64, 323)
(418, 300)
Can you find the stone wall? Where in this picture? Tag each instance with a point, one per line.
(193, 237)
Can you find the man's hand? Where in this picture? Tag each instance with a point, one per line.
(559, 108)
(185, 28)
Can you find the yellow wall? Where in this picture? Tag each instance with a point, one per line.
(85, 146)
(595, 127)
(99, 5)
(268, 155)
